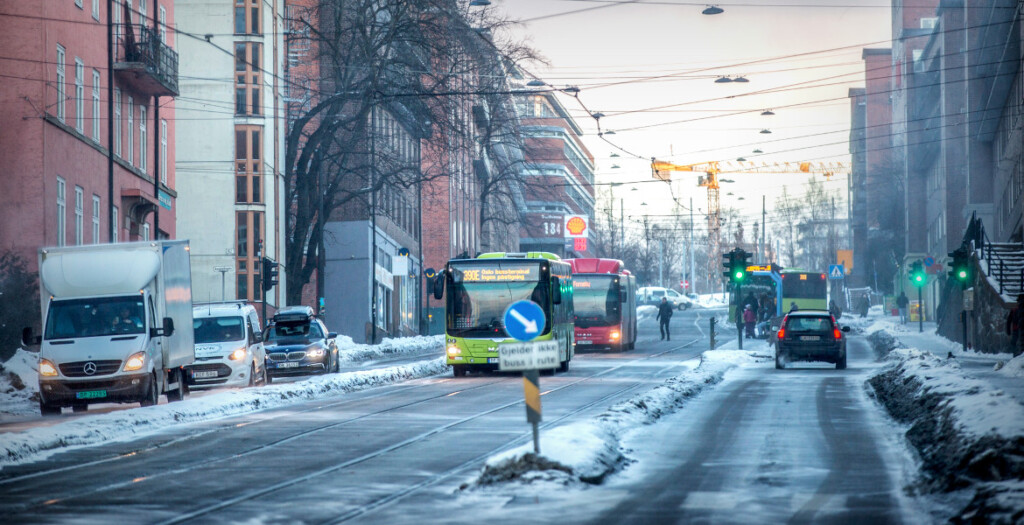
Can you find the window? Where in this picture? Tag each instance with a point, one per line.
(79, 215)
(145, 231)
(96, 105)
(61, 212)
(131, 131)
(79, 95)
(60, 83)
(115, 226)
(249, 237)
(95, 219)
(163, 151)
(163, 25)
(142, 137)
(248, 78)
(248, 151)
(96, 9)
(247, 17)
(117, 122)
(142, 11)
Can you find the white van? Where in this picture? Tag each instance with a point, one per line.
(652, 295)
(229, 346)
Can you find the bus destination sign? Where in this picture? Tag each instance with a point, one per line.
(499, 273)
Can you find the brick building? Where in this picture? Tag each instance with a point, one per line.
(88, 140)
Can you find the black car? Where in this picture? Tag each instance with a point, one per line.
(811, 335)
(297, 343)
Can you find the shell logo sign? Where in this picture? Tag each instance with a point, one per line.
(576, 226)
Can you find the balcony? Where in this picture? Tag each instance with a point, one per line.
(144, 63)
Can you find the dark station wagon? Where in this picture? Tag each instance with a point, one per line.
(811, 335)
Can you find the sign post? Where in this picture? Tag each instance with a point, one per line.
(524, 321)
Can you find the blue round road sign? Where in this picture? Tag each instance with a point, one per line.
(524, 320)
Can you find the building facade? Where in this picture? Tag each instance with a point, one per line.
(87, 135)
(230, 145)
(557, 176)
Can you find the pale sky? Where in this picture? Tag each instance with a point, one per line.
(758, 39)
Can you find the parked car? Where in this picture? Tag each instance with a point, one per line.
(651, 295)
(297, 343)
(228, 345)
(810, 335)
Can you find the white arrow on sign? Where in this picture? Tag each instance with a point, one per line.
(531, 326)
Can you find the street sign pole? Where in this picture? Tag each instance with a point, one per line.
(531, 392)
(523, 322)
(920, 311)
(739, 314)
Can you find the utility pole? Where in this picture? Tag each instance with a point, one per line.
(693, 269)
(761, 244)
(622, 220)
(373, 224)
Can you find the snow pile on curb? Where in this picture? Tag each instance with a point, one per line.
(350, 351)
(967, 434)
(884, 342)
(647, 311)
(588, 451)
(19, 387)
(1013, 368)
(38, 443)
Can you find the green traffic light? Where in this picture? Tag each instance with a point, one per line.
(962, 274)
(739, 276)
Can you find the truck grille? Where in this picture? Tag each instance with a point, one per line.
(98, 368)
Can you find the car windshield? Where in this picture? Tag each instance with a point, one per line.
(478, 309)
(300, 331)
(809, 324)
(595, 299)
(218, 329)
(95, 317)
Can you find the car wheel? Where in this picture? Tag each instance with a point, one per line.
(177, 394)
(264, 376)
(780, 364)
(79, 408)
(841, 363)
(48, 410)
(459, 370)
(269, 378)
(153, 396)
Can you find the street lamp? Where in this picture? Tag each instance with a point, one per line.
(740, 79)
(480, 3)
(223, 271)
(767, 113)
(758, 151)
(613, 155)
(766, 131)
(712, 10)
(615, 166)
(723, 80)
(609, 132)
(536, 83)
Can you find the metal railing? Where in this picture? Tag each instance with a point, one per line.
(140, 44)
(976, 239)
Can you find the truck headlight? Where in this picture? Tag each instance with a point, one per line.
(135, 362)
(238, 354)
(46, 368)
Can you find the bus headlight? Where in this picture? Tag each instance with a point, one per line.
(453, 351)
(46, 368)
(135, 362)
(614, 335)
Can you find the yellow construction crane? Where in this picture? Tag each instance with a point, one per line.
(661, 170)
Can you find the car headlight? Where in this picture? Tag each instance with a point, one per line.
(46, 368)
(135, 362)
(454, 350)
(238, 354)
(316, 352)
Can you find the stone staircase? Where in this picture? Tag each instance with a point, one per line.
(1003, 264)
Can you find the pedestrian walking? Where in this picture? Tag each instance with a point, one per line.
(1015, 327)
(901, 304)
(834, 309)
(664, 314)
(748, 320)
(793, 307)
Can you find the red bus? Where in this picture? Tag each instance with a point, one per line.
(604, 302)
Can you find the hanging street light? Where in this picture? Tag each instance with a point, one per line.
(767, 113)
(765, 131)
(536, 83)
(723, 80)
(740, 79)
(712, 10)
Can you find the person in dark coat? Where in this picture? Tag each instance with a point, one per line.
(664, 314)
(1015, 327)
(749, 317)
(901, 303)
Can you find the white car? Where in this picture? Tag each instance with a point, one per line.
(228, 345)
(652, 295)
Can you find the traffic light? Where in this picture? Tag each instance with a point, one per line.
(960, 268)
(917, 275)
(735, 264)
(270, 273)
(727, 264)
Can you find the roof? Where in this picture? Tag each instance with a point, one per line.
(809, 313)
(594, 265)
(210, 309)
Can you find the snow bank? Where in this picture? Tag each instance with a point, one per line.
(647, 311)
(589, 450)
(1013, 368)
(19, 386)
(38, 443)
(968, 434)
(351, 351)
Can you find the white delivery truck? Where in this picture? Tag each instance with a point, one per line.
(117, 324)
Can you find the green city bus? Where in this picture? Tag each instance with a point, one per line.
(480, 290)
(809, 290)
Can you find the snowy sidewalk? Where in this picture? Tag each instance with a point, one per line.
(1000, 370)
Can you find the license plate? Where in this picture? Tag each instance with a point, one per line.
(91, 394)
(204, 374)
(287, 365)
(810, 338)
(583, 341)
(492, 359)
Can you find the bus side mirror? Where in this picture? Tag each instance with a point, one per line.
(556, 293)
(438, 287)
(28, 339)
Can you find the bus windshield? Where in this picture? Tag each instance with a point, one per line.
(477, 309)
(595, 299)
(804, 286)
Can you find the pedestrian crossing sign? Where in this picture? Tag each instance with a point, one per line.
(836, 271)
